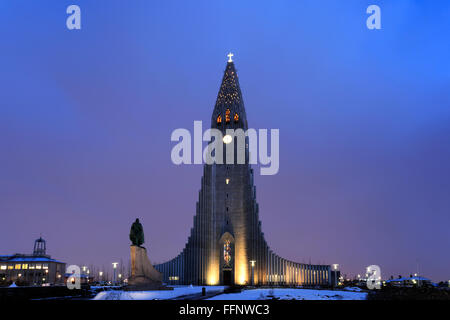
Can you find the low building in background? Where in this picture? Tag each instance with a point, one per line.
(412, 281)
(31, 269)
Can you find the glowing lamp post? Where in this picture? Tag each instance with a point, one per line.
(253, 271)
(114, 267)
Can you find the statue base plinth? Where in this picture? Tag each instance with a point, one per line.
(143, 275)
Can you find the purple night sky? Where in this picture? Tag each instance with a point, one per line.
(364, 118)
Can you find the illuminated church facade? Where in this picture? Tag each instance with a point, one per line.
(226, 245)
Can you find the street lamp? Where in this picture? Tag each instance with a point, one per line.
(114, 267)
(253, 271)
(100, 273)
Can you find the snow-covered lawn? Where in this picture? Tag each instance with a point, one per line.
(178, 291)
(250, 294)
(289, 294)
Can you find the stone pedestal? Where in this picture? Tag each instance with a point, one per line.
(143, 275)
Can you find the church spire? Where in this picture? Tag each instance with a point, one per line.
(229, 111)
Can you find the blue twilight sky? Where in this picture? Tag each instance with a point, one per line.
(364, 119)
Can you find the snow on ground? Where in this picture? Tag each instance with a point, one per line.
(289, 294)
(355, 289)
(178, 291)
(250, 294)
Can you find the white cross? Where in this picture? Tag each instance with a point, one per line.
(229, 57)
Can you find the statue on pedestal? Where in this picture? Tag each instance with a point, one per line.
(143, 275)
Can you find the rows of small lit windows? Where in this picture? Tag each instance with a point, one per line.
(228, 98)
(24, 266)
(229, 90)
(174, 278)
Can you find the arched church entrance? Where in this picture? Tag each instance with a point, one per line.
(227, 259)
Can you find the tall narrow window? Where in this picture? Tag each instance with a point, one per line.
(236, 117)
(227, 115)
(227, 252)
(219, 119)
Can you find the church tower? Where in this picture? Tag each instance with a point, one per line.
(226, 245)
(230, 189)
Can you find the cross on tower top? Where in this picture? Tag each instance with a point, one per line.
(229, 57)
